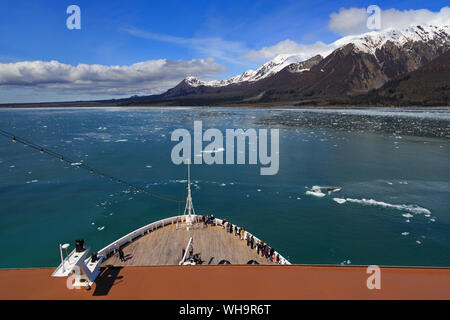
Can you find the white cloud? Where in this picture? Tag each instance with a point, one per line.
(147, 77)
(287, 47)
(211, 47)
(353, 20)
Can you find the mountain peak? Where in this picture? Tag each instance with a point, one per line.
(368, 42)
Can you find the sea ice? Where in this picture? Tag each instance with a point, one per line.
(340, 200)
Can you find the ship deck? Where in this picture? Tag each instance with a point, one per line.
(164, 246)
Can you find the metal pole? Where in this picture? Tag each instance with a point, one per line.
(62, 259)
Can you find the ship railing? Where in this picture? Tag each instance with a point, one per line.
(130, 237)
(283, 260)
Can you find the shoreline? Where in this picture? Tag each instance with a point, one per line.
(250, 106)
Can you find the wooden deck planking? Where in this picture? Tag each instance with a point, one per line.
(164, 247)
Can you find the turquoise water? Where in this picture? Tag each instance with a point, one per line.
(400, 159)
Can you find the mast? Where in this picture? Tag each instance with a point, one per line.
(189, 206)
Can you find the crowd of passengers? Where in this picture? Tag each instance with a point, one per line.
(261, 248)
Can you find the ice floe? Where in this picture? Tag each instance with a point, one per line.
(320, 191)
(403, 207)
(340, 200)
(214, 150)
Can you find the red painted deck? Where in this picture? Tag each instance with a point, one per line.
(232, 282)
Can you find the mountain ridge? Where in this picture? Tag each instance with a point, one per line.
(353, 70)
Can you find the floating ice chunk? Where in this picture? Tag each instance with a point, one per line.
(340, 200)
(418, 242)
(407, 215)
(214, 150)
(319, 191)
(405, 233)
(101, 228)
(402, 207)
(259, 190)
(148, 166)
(315, 193)
(122, 140)
(222, 184)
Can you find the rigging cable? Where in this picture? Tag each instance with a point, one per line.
(62, 158)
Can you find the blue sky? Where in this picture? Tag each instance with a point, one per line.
(124, 33)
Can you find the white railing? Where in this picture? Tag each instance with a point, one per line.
(112, 247)
(283, 260)
(130, 237)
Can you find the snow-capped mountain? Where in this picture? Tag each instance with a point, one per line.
(368, 42)
(348, 67)
(371, 41)
(267, 69)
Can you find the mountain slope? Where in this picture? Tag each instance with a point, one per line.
(350, 66)
(428, 85)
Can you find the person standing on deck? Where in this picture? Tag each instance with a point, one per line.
(252, 241)
(191, 250)
(268, 251)
(121, 255)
